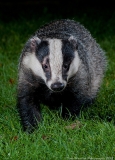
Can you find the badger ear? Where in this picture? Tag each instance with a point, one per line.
(31, 45)
(73, 41)
(34, 42)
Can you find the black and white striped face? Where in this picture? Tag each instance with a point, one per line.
(54, 60)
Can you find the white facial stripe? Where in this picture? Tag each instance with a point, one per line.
(74, 65)
(56, 59)
(30, 61)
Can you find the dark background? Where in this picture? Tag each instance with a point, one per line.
(10, 9)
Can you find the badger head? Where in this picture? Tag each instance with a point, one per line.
(53, 60)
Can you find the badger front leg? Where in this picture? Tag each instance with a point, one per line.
(70, 108)
(29, 110)
(72, 105)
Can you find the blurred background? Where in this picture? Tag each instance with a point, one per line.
(10, 9)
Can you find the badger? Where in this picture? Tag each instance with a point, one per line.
(60, 65)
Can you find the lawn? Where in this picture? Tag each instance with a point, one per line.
(90, 136)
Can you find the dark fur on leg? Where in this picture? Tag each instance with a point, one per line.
(29, 113)
(73, 105)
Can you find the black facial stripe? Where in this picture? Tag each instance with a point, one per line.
(67, 49)
(68, 55)
(47, 70)
(42, 50)
(42, 53)
(48, 75)
(64, 75)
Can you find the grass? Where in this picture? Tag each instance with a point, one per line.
(91, 136)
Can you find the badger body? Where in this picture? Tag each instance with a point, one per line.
(60, 65)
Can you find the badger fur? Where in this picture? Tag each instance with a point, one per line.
(60, 65)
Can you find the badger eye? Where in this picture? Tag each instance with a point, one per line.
(45, 67)
(66, 66)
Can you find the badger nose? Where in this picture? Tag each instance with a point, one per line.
(57, 86)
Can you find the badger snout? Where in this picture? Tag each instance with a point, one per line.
(57, 87)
